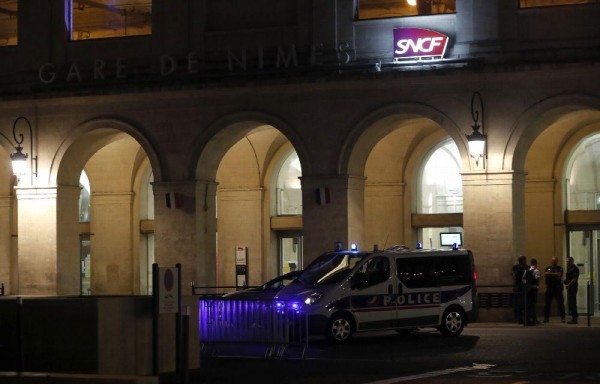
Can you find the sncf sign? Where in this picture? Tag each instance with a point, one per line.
(418, 42)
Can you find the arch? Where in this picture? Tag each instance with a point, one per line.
(379, 123)
(534, 120)
(541, 146)
(226, 131)
(86, 139)
(101, 145)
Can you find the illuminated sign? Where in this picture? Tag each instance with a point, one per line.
(411, 43)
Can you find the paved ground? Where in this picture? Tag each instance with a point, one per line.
(491, 353)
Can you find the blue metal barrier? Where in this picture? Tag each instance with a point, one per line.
(252, 326)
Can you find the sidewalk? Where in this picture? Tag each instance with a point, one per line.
(554, 323)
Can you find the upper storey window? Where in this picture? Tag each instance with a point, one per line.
(8, 22)
(551, 3)
(97, 19)
(372, 9)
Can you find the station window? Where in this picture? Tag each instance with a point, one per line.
(289, 190)
(441, 183)
(84, 198)
(372, 9)
(583, 186)
(97, 19)
(8, 22)
(552, 3)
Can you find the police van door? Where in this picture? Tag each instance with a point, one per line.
(372, 288)
(419, 297)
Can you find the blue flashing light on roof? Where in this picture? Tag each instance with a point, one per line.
(419, 246)
(354, 247)
(454, 246)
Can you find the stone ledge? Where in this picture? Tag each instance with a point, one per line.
(72, 378)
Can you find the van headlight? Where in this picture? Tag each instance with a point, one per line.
(313, 298)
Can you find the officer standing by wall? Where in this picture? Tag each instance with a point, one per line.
(571, 284)
(531, 280)
(554, 290)
(518, 270)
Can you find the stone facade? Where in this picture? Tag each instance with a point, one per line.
(213, 100)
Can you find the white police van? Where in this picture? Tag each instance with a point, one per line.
(354, 291)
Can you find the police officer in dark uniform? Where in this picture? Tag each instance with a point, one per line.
(554, 290)
(531, 279)
(517, 271)
(571, 284)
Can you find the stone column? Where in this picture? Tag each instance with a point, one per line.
(68, 244)
(493, 222)
(111, 243)
(175, 229)
(240, 219)
(206, 233)
(37, 245)
(6, 265)
(541, 225)
(339, 219)
(384, 226)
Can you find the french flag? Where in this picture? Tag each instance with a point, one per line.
(323, 196)
(172, 200)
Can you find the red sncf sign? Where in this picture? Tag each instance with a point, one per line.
(418, 42)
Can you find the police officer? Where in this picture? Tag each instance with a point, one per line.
(571, 285)
(554, 290)
(518, 270)
(531, 280)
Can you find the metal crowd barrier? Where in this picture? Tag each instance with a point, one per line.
(252, 327)
(216, 291)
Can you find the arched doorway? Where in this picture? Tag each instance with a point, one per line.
(259, 209)
(440, 192)
(582, 183)
(288, 197)
(400, 150)
(236, 177)
(561, 218)
(103, 182)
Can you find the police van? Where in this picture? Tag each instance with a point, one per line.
(355, 291)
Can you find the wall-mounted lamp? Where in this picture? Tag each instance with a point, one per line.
(19, 159)
(477, 140)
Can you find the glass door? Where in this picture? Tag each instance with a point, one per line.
(290, 251)
(583, 247)
(85, 258)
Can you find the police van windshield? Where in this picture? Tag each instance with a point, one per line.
(330, 267)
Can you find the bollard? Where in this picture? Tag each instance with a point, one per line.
(20, 359)
(589, 306)
(185, 349)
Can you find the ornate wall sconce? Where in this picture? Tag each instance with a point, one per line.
(477, 140)
(18, 158)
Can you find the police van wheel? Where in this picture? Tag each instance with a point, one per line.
(453, 322)
(340, 328)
